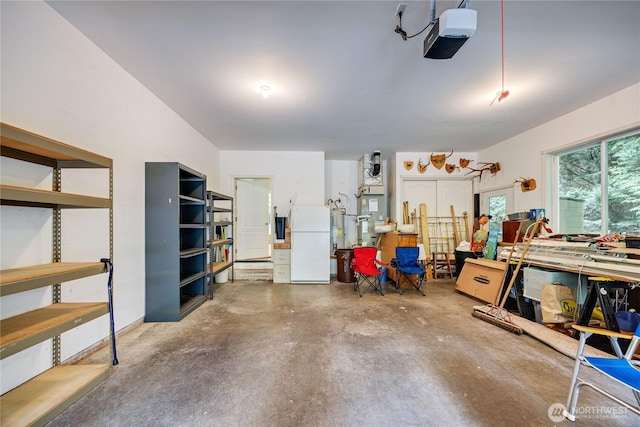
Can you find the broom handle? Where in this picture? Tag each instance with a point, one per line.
(534, 229)
(515, 240)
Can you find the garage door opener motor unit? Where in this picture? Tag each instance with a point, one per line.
(449, 33)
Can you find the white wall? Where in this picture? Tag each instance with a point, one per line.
(295, 176)
(57, 83)
(341, 182)
(430, 173)
(522, 155)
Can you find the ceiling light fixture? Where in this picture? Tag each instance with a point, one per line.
(265, 90)
(501, 94)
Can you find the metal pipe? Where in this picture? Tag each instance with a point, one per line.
(433, 12)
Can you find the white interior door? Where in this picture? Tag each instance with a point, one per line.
(253, 213)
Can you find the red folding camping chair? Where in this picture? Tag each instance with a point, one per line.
(365, 266)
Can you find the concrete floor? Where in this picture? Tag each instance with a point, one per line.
(264, 354)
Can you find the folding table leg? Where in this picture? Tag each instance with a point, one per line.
(607, 310)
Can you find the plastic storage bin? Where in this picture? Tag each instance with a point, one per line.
(534, 278)
(632, 242)
(461, 256)
(384, 276)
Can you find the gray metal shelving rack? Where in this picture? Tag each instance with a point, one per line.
(42, 398)
(220, 242)
(175, 241)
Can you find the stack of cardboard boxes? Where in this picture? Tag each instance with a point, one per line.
(282, 259)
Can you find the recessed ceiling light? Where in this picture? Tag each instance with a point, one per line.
(265, 90)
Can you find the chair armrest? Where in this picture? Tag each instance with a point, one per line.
(600, 331)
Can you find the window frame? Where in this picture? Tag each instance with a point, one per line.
(506, 191)
(551, 172)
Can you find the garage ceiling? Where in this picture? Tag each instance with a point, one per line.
(345, 83)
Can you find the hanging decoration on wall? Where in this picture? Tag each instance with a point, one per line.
(526, 184)
(422, 167)
(438, 160)
(408, 164)
(492, 168)
(464, 162)
(450, 167)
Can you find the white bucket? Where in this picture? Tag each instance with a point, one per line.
(222, 277)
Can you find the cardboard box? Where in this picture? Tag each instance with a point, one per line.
(481, 278)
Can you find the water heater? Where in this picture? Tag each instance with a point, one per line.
(337, 230)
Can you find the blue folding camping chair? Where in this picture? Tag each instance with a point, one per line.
(622, 369)
(409, 268)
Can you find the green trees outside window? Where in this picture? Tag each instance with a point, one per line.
(599, 187)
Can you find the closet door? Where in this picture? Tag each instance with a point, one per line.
(419, 191)
(458, 193)
(439, 195)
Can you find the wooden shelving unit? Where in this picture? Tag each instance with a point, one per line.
(220, 239)
(19, 196)
(50, 393)
(25, 330)
(46, 395)
(23, 279)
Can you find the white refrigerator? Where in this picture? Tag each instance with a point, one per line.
(310, 244)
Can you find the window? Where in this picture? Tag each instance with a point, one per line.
(598, 187)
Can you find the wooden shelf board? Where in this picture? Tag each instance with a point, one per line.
(24, 330)
(628, 251)
(43, 398)
(22, 279)
(220, 266)
(219, 242)
(21, 196)
(34, 144)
